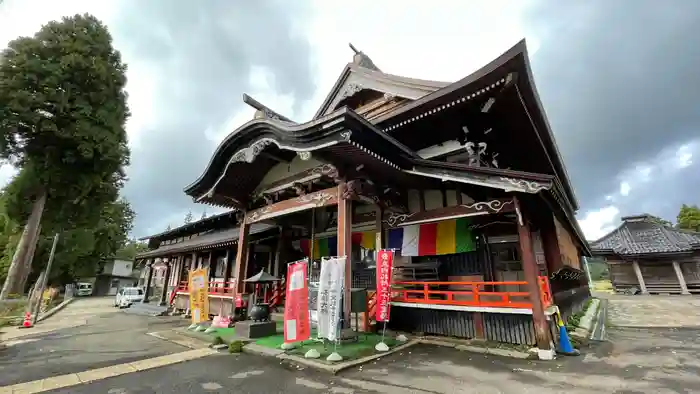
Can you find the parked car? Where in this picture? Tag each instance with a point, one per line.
(84, 289)
(127, 296)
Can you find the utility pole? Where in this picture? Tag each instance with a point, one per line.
(37, 307)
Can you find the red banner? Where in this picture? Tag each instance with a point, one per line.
(296, 304)
(385, 260)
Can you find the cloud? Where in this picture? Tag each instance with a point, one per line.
(190, 63)
(618, 81)
(658, 186)
(620, 84)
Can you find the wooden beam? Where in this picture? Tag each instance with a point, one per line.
(317, 199)
(458, 211)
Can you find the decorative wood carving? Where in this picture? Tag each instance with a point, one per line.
(299, 189)
(350, 90)
(249, 154)
(317, 199)
(478, 208)
(526, 186)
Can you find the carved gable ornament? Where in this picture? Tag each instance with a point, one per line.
(248, 155)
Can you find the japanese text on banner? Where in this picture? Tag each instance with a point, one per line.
(199, 297)
(296, 308)
(385, 260)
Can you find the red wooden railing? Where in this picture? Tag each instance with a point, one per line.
(474, 294)
(216, 287)
(370, 314)
(277, 293)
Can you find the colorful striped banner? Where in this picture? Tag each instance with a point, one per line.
(328, 246)
(446, 237)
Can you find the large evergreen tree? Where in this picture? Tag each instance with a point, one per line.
(689, 218)
(62, 116)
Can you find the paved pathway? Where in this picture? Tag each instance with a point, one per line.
(73, 315)
(654, 311)
(88, 334)
(636, 360)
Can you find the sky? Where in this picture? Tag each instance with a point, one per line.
(618, 80)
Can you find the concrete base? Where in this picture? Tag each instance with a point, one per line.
(546, 354)
(381, 347)
(249, 329)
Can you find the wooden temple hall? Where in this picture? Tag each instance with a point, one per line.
(463, 180)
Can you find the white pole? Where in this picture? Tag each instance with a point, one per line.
(46, 277)
(588, 273)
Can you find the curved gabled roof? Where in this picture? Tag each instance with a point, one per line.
(514, 62)
(240, 149)
(641, 234)
(355, 77)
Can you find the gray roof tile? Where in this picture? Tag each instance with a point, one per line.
(642, 235)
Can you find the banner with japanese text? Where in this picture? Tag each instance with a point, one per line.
(296, 305)
(330, 297)
(199, 297)
(385, 260)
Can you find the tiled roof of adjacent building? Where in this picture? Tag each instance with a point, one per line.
(642, 234)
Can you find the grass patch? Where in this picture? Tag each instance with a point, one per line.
(603, 286)
(235, 347)
(574, 320)
(363, 347)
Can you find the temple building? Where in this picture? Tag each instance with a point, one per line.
(649, 257)
(463, 180)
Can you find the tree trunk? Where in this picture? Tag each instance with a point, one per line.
(13, 282)
(27, 269)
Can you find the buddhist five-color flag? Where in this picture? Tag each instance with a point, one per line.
(446, 237)
(328, 246)
(430, 239)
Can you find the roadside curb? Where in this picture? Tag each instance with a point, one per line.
(55, 309)
(180, 339)
(583, 331)
(494, 351)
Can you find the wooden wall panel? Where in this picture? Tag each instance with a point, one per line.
(569, 252)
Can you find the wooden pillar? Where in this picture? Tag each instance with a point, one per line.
(166, 284)
(180, 269)
(278, 254)
(241, 256)
(379, 228)
(148, 282)
(345, 248)
(531, 271)
(681, 278)
(271, 259)
(211, 267)
(640, 278)
(227, 266)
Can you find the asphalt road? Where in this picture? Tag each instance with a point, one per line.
(109, 337)
(631, 366)
(635, 360)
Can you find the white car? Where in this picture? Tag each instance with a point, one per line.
(127, 296)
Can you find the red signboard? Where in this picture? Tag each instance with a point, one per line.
(385, 259)
(296, 304)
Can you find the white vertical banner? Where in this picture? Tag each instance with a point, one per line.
(330, 297)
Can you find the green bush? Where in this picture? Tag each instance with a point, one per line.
(217, 341)
(235, 347)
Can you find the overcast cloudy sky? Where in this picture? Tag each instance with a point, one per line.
(619, 80)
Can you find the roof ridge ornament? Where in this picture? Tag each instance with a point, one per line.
(362, 60)
(264, 111)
